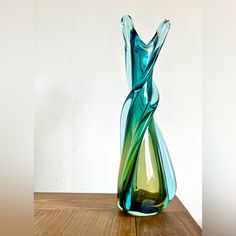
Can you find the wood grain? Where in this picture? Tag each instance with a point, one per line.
(96, 214)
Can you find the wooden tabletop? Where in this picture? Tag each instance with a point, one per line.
(86, 214)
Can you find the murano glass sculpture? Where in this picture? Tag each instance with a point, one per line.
(146, 182)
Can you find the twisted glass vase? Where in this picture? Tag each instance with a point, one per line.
(146, 181)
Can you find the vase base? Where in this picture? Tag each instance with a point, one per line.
(137, 213)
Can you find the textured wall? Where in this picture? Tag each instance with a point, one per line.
(80, 87)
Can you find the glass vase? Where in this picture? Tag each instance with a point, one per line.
(146, 182)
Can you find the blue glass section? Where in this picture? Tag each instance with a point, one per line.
(168, 167)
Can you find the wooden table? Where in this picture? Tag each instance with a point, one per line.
(86, 214)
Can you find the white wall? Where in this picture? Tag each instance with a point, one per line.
(80, 87)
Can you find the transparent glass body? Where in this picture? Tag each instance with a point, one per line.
(146, 182)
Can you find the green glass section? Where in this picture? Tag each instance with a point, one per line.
(146, 181)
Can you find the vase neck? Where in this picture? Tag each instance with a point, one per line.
(140, 57)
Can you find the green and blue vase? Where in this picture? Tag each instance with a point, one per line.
(146, 182)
